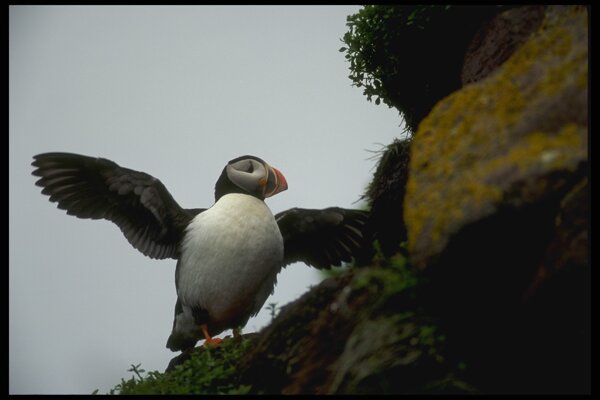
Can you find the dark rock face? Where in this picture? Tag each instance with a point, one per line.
(497, 207)
(509, 140)
(498, 40)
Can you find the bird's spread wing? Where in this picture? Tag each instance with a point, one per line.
(321, 238)
(96, 188)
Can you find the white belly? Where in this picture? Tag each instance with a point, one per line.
(231, 255)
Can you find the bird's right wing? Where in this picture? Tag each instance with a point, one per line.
(136, 202)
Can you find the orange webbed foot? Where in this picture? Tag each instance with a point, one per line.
(212, 342)
(208, 340)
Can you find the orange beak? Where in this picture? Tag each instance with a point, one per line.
(275, 182)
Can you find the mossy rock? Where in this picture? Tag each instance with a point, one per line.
(360, 332)
(505, 140)
(496, 211)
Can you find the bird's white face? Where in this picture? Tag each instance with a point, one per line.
(256, 176)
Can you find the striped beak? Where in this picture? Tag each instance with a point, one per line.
(275, 182)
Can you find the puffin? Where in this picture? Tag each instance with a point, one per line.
(228, 255)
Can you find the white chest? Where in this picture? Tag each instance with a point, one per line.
(231, 255)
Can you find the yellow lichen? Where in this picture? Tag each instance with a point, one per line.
(476, 134)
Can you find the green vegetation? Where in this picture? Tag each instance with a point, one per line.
(372, 40)
(385, 280)
(385, 195)
(409, 57)
(208, 371)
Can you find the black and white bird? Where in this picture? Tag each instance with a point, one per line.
(228, 256)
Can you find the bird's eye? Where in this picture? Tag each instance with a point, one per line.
(250, 167)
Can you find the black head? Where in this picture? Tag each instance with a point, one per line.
(250, 175)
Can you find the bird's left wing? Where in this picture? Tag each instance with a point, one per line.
(321, 238)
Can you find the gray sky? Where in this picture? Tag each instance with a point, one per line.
(176, 92)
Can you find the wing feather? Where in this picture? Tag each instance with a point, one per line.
(322, 238)
(97, 188)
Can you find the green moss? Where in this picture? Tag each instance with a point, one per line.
(395, 347)
(208, 371)
(385, 281)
